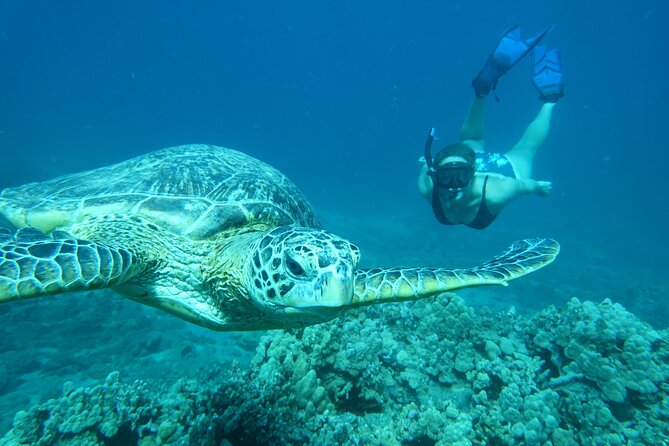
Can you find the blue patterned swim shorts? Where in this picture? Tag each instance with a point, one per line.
(494, 163)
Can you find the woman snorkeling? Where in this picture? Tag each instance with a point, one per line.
(464, 183)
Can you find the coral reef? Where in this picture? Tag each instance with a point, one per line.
(434, 372)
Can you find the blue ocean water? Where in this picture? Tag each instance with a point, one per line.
(348, 86)
(340, 97)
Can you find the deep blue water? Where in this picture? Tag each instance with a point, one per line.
(340, 97)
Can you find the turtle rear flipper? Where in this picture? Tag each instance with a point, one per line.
(33, 264)
(401, 284)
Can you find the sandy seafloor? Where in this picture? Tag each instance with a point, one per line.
(81, 338)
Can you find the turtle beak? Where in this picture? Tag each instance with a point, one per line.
(319, 303)
(337, 291)
(333, 289)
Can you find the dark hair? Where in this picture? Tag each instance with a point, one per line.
(457, 149)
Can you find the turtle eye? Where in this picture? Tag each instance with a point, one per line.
(293, 267)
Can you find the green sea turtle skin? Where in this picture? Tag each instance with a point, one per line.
(213, 236)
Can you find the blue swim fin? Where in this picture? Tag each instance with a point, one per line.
(509, 50)
(548, 74)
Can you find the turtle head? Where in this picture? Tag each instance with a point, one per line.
(302, 276)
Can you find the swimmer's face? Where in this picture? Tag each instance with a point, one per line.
(452, 175)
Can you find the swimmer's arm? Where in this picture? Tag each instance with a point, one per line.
(424, 181)
(529, 186)
(509, 189)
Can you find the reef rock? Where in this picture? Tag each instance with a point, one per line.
(434, 372)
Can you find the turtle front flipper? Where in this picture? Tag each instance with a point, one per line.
(34, 264)
(400, 284)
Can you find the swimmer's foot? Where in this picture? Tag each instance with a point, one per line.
(548, 74)
(509, 50)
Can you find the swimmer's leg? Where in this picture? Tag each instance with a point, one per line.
(521, 156)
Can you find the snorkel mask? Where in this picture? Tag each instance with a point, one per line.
(451, 177)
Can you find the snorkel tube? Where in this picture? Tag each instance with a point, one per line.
(428, 152)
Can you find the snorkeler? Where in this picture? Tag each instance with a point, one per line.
(472, 185)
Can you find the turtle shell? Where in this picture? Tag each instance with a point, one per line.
(193, 190)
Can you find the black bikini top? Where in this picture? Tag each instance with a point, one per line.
(481, 220)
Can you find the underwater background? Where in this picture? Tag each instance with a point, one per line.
(340, 96)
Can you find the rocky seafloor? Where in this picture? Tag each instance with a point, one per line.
(434, 372)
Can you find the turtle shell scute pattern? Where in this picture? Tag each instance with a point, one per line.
(194, 190)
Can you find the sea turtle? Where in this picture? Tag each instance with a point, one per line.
(213, 236)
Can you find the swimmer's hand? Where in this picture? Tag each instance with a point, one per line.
(544, 188)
